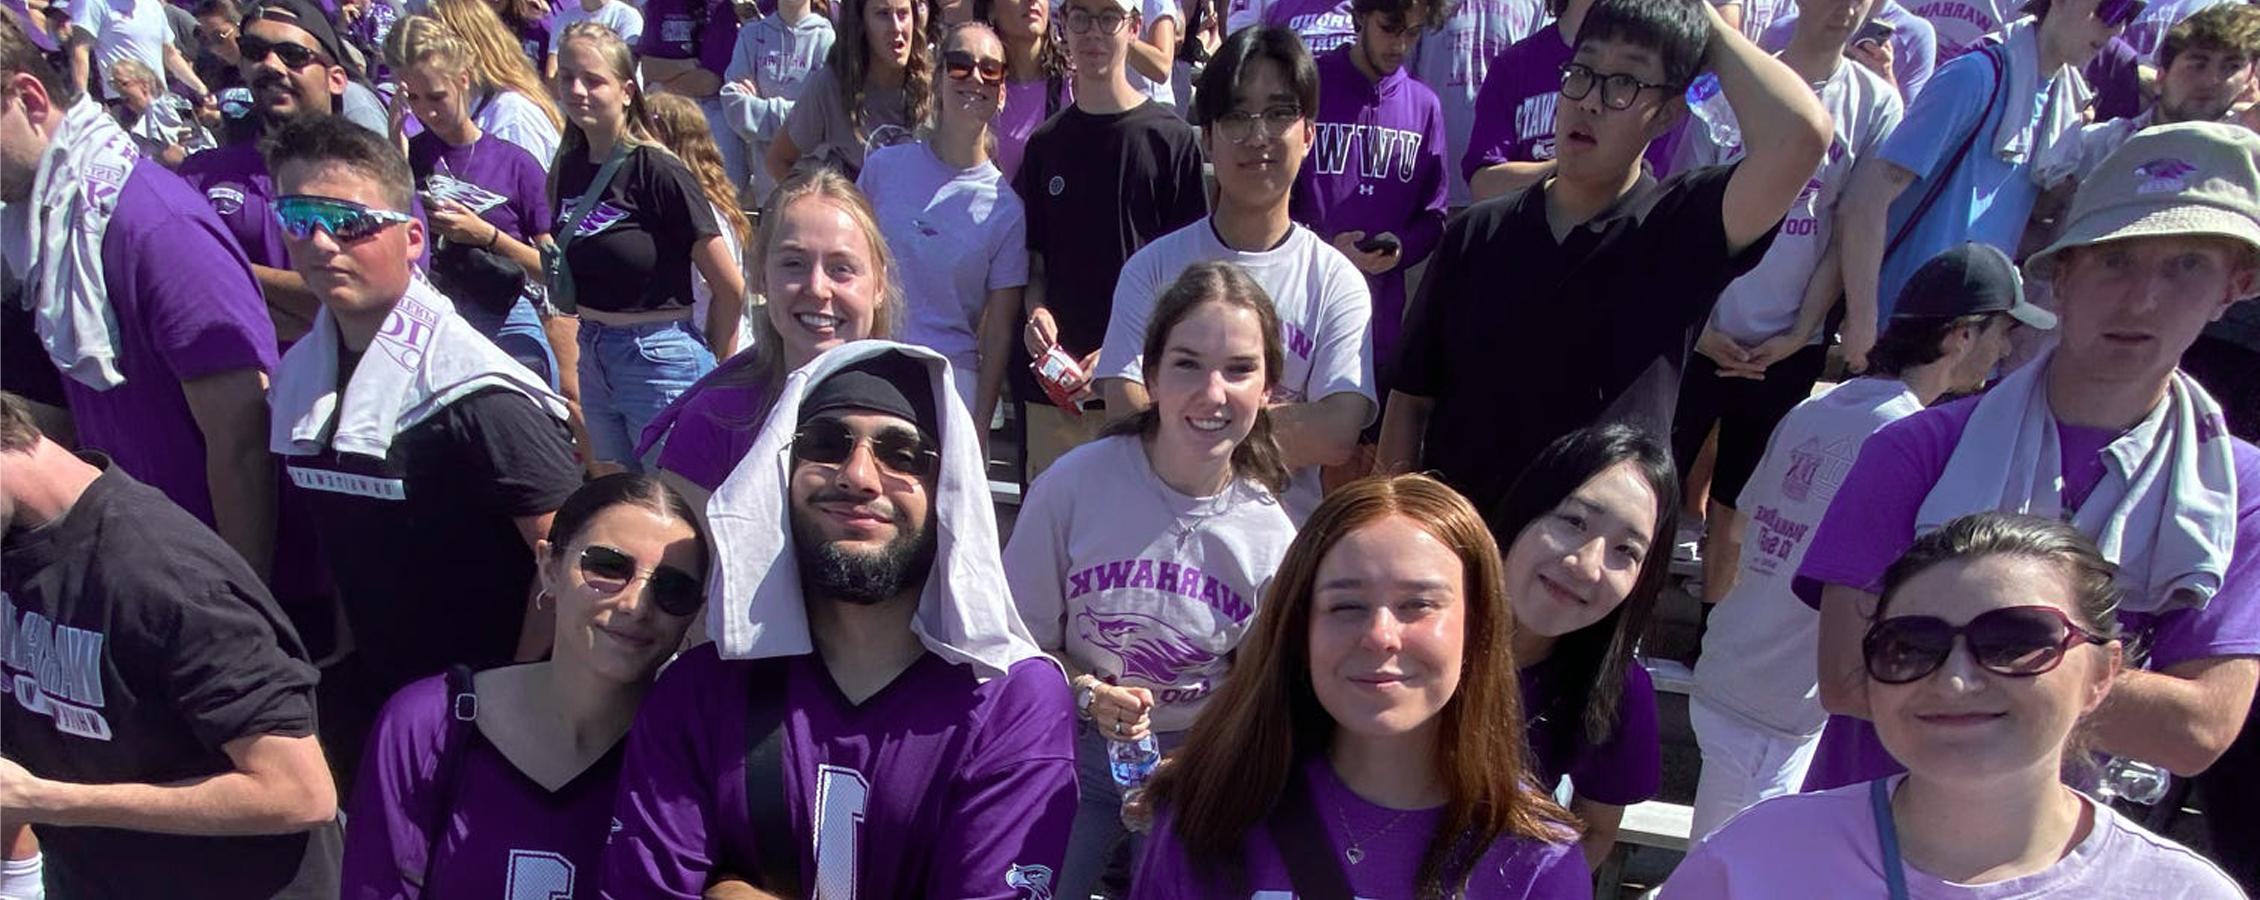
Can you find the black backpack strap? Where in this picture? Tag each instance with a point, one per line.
(1312, 866)
(768, 806)
(2000, 62)
(462, 721)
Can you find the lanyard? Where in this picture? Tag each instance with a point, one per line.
(1887, 833)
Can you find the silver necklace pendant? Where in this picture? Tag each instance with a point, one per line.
(1354, 855)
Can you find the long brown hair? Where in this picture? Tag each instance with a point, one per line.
(1257, 456)
(1266, 719)
(679, 125)
(1051, 55)
(498, 62)
(850, 64)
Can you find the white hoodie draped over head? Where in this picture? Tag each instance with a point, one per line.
(755, 602)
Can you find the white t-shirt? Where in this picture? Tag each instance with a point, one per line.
(1325, 318)
(1155, 11)
(957, 234)
(1138, 583)
(508, 115)
(702, 294)
(618, 16)
(1764, 301)
(1758, 657)
(124, 29)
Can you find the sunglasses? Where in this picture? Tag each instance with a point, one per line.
(296, 56)
(348, 222)
(960, 65)
(2014, 642)
(2114, 13)
(897, 450)
(608, 571)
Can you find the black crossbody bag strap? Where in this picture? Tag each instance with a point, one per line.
(768, 807)
(462, 720)
(1938, 185)
(1312, 866)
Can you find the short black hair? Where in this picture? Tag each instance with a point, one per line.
(1676, 30)
(1910, 341)
(19, 56)
(337, 140)
(1434, 13)
(1229, 65)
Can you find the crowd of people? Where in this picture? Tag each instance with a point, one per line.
(567, 462)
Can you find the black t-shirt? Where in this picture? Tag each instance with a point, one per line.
(136, 645)
(423, 544)
(1097, 188)
(1520, 339)
(632, 250)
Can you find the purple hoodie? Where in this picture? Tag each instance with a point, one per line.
(1376, 166)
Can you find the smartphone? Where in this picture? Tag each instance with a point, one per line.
(1875, 32)
(1385, 243)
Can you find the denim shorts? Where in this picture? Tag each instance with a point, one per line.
(631, 372)
(518, 333)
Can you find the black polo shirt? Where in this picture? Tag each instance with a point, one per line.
(1520, 339)
(424, 544)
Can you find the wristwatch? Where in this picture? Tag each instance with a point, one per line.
(1083, 697)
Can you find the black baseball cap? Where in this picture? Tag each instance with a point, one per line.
(1970, 279)
(309, 17)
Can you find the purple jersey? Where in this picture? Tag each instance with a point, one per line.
(1621, 771)
(234, 180)
(702, 30)
(497, 179)
(937, 786)
(484, 831)
(1872, 521)
(187, 308)
(1390, 845)
(1377, 167)
(712, 425)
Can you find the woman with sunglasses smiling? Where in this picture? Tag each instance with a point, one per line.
(473, 782)
(877, 86)
(1993, 639)
(958, 229)
(1138, 558)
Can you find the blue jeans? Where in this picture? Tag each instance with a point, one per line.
(631, 372)
(1098, 816)
(518, 333)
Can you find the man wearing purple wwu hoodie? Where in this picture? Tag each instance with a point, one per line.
(872, 719)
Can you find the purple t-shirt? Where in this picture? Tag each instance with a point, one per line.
(1377, 166)
(187, 307)
(494, 831)
(712, 425)
(1872, 521)
(497, 179)
(534, 37)
(1391, 842)
(937, 786)
(1323, 24)
(235, 183)
(1621, 771)
(1024, 109)
(704, 30)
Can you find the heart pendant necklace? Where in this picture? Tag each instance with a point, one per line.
(1355, 852)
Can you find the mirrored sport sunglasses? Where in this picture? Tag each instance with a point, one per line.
(609, 571)
(2015, 642)
(960, 65)
(301, 215)
(898, 450)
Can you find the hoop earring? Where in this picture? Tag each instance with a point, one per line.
(543, 602)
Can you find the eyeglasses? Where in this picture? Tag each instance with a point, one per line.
(301, 215)
(898, 450)
(609, 571)
(960, 65)
(1617, 90)
(296, 56)
(1239, 125)
(1080, 22)
(2016, 642)
(2114, 13)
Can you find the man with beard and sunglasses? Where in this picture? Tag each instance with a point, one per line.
(295, 65)
(429, 461)
(2101, 431)
(873, 718)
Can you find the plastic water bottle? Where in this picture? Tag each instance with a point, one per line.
(1709, 106)
(2133, 781)
(1132, 763)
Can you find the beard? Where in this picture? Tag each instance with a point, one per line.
(831, 572)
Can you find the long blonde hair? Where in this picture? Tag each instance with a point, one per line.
(636, 131)
(683, 130)
(423, 40)
(497, 60)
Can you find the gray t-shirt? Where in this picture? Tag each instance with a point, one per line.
(825, 132)
(1137, 583)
